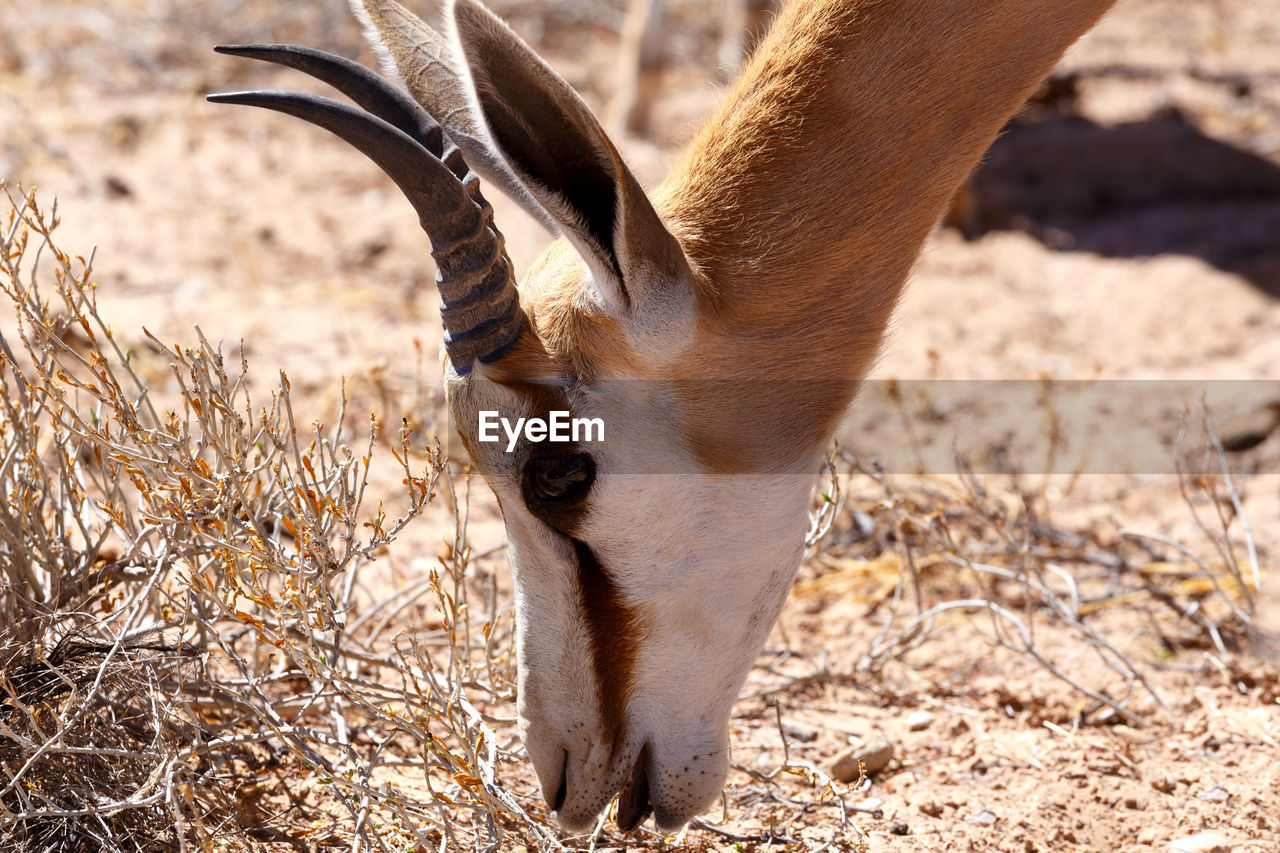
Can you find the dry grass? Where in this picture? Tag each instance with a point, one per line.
(181, 659)
(930, 553)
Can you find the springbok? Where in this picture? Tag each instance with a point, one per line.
(718, 328)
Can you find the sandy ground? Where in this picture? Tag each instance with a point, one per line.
(1130, 230)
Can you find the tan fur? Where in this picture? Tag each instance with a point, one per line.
(805, 199)
(582, 342)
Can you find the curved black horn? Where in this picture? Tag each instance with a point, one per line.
(479, 303)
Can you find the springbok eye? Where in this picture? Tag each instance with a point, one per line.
(557, 479)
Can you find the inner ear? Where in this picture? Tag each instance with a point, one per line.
(550, 149)
(546, 134)
(554, 146)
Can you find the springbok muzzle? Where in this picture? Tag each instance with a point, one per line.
(479, 305)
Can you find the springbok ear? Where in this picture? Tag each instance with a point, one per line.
(417, 56)
(555, 146)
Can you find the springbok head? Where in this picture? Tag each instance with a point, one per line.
(717, 332)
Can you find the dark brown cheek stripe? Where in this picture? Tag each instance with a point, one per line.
(612, 626)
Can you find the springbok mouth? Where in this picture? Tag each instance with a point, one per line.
(563, 790)
(633, 802)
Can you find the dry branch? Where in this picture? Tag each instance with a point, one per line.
(179, 569)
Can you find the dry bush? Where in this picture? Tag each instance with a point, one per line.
(181, 662)
(933, 553)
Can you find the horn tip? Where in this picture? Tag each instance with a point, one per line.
(249, 98)
(257, 51)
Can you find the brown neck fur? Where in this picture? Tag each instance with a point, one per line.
(804, 201)
(809, 193)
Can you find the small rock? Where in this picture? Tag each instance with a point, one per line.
(1164, 785)
(116, 187)
(1203, 842)
(1246, 432)
(1216, 794)
(985, 817)
(871, 757)
(900, 828)
(931, 807)
(919, 720)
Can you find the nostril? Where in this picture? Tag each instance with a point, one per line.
(563, 790)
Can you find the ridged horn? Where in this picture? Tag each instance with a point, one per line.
(479, 303)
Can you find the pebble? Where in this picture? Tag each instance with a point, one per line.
(871, 756)
(919, 720)
(985, 817)
(1203, 842)
(1216, 794)
(931, 807)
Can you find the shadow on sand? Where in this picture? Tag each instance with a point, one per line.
(1158, 186)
